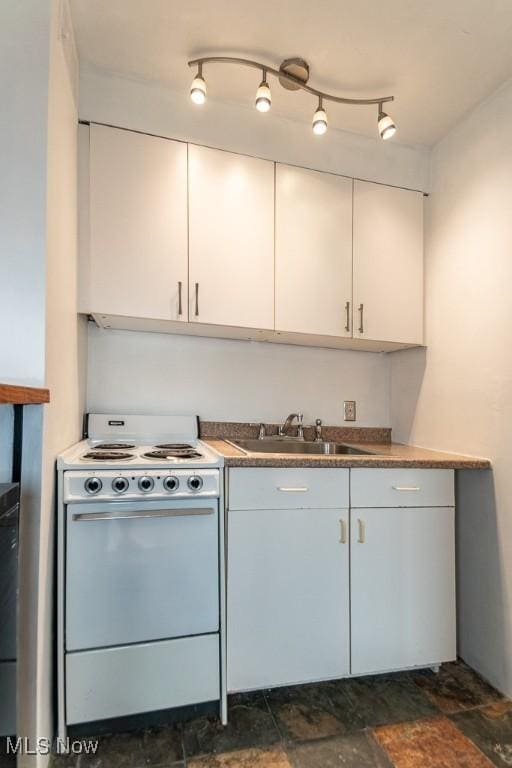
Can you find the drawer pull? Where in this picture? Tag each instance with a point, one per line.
(406, 488)
(298, 489)
(343, 532)
(362, 532)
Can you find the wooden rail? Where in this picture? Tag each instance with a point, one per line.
(17, 395)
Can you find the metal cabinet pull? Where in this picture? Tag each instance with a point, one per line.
(362, 532)
(361, 323)
(406, 487)
(343, 532)
(347, 310)
(197, 300)
(136, 515)
(298, 489)
(180, 308)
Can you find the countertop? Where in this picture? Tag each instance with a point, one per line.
(385, 455)
(14, 394)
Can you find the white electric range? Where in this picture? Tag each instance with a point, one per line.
(141, 573)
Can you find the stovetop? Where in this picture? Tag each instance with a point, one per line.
(94, 454)
(139, 442)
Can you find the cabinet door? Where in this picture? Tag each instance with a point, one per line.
(138, 225)
(313, 252)
(231, 237)
(388, 263)
(288, 597)
(402, 588)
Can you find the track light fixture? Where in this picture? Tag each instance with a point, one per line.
(198, 87)
(263, 96)
(293, 74)
(386, 125)
(319, 119)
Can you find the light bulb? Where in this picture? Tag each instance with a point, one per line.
(319, 121)
(387, 127)
(263, 97)
(198, 90)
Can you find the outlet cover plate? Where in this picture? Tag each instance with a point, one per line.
(349, 410)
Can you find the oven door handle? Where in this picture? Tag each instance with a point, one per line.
(177, 512)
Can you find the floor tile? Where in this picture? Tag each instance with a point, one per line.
(250, 725)
(120, 750)
(431, 743)
(246, 758)
(359, 750)
(57, 761)
(456, 687)
(384, 699)
(490, 728)
(311, 712)
(162, 746)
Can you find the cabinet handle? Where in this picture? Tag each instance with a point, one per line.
(406, 488)
(197, 300)
(180, 308)
(347, 310)
(343, 532)
(361, 323)
(362, 532)
(298, 489)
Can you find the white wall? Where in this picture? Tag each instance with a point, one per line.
(458, 395)
(228, 379)
(41, 341)
(24, 30)
(233, 380)
(24, 65)
(65, 339)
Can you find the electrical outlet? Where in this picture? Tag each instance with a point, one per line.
(349, 410)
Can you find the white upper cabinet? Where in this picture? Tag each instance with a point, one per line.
(231, 239)
(313, 252)
(388, 263)
(138, 226)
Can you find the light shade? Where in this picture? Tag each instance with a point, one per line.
(319, 122)
(198, 90)
(387, 127)
(263, 97)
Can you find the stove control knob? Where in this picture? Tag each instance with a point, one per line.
(171, 483)
(146, 484)
(195, 483)
(120, 484)
(93, 485)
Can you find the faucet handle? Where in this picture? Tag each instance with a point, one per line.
(300, 417)
(318, 422)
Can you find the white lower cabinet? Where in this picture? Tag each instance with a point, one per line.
(315, 591)
(402, 575)
(288, 597)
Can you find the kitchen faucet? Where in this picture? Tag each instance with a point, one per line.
(284, 429)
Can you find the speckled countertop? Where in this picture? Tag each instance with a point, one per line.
(385, 454)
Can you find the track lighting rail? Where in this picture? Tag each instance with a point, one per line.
(293, 75)
(285, 76)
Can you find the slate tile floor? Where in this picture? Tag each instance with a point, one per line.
(407, 720)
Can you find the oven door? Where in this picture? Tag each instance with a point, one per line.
(141, 571)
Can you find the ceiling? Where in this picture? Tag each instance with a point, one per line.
(438, 58)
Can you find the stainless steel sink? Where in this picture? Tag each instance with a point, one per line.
(269, 445)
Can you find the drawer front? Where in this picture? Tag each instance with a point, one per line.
(288, 488)
(114, 682)
(402, 488)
